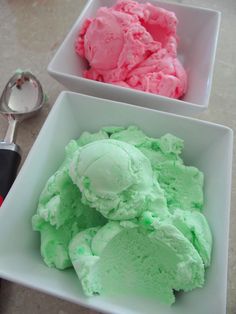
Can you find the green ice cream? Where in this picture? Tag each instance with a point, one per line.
(166, 148)
(123, 257)
(183, 185)
(117, 179)
(61, 214)
(126, 212)
(195, 228)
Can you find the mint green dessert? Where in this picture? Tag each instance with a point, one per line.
(124, 256)
(157, 150)
(182, 185)
(61, 214)
(127, 214)
(117, 179)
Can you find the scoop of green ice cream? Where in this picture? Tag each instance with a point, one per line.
(195, 228)
(132, 135)
(54, 242)
(183, 185)
(117, 179)
(61, 214)
(60, 200)
(87, 137)
(192, 224)
(158, 150)
(84, 262)
(123, 257)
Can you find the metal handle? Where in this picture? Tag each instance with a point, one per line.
(10, 135)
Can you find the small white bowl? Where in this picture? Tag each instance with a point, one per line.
(198, 32)
(207, 146)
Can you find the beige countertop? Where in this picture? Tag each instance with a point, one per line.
(30, 33)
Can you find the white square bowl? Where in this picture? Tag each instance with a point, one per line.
(207, 146)
(198, 32)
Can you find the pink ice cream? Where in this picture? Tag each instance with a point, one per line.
(133, 45)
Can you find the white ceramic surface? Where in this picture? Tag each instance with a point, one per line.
(198, 32)
(207, 146)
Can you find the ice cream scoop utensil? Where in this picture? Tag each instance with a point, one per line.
(22, 97)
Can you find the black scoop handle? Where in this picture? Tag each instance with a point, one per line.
(9, 162)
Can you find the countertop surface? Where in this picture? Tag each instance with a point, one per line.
(30, 33)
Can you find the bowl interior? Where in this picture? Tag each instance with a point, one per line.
(207, 146)
(197, 31)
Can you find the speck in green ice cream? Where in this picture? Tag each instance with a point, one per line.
(126, 212)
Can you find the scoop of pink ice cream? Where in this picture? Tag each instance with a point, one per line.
(133, 45)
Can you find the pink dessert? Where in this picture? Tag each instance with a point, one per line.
(133, 45)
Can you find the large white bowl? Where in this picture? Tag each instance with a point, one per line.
(207, 146)
(198, 32)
